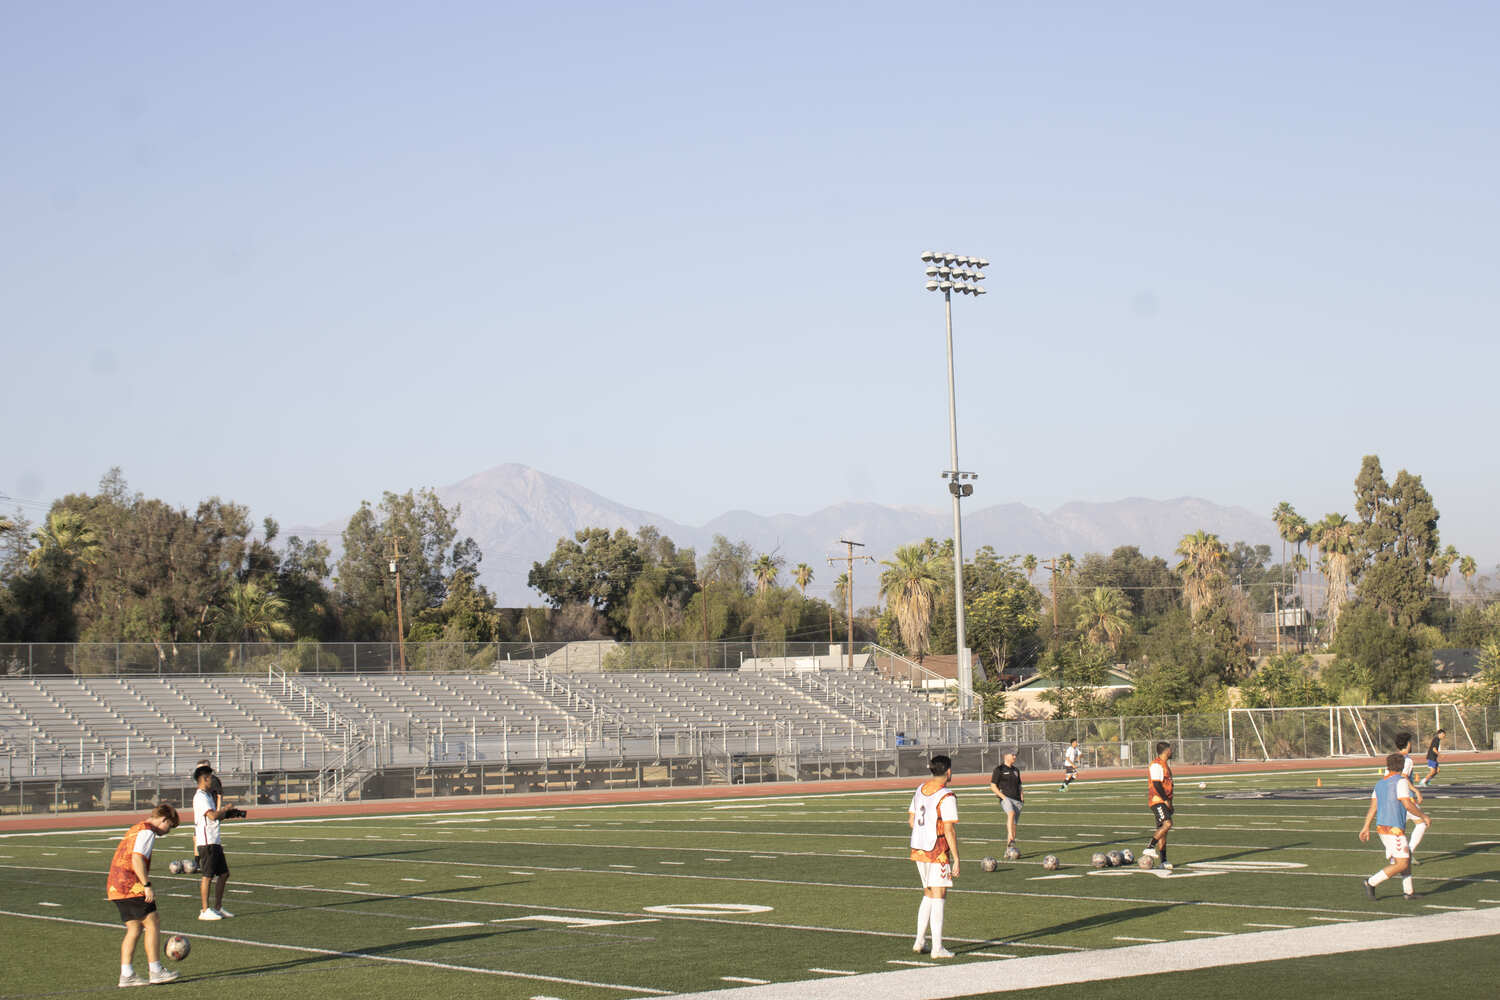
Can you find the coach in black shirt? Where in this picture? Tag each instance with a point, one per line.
(1005, 782)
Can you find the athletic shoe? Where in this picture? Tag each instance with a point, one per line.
(164, 976)
(223, 912)
(1167, 866)
(941, 953)
(131, 980)
(1414, 862)
(1062, 788)
(1369, 889)
(1409, 896)
(210, 915)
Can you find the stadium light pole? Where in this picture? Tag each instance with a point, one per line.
(949, 273)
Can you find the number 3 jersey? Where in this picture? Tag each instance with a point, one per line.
(927, 840)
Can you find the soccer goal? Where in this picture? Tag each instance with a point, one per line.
(1332, 731)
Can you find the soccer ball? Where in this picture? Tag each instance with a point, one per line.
(1115, 859)
(175, 868)
(1146, 863)
(1012, 853)
(190, 866)
(1050, 862)
(1202, 785)
(1099, 860)
(1127, 856)
(178, 947)
(989, 864)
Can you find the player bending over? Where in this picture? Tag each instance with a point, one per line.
(1390, 802)
(1432, 756)
(1408, 766)
(1159, 799)
(934, 847)
(1070, 765)
(129, 888)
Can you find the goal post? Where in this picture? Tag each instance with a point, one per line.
(1333, 731)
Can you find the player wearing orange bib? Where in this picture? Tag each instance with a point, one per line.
(129, 888)
(933, 816)
(1159, 799)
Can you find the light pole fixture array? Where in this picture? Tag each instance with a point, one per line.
(949, 273)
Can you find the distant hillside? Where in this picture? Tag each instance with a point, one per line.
(517, 514)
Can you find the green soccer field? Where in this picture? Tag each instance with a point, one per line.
(597, 902)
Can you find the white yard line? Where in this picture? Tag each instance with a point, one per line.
(366, 956)
(1132, 961)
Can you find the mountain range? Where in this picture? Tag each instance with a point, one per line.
(517, 514)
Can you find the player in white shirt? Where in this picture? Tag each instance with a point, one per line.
(209, 811)
(1408, 770)
(1390, 803)
(933, 816)
(1070, 764)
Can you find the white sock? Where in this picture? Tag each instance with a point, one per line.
(127, 970)
(1406, 885)
(1417, 833)
(155, 967)
(937, 924)
(923, 913)
(1377, 878)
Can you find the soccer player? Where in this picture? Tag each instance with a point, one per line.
(1070, 765)
(1432, 756)
(129, 887)
(208, 812)
(1408, 766)
(934, 847)
(1159, 799)
(1390, 803)
(1005, 782)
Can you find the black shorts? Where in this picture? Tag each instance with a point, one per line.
(211, 863)
(1162, 812)
(1070, 771)
(134, 908)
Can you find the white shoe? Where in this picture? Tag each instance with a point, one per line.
(210, 915)
(918, 947)
(1149, 852)
(941, 953)
(164, 976)
(131, 980)
(223, 912)
(1166, 866)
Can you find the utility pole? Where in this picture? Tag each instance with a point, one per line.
(396, 571)
(850, 559)
(1052, 565)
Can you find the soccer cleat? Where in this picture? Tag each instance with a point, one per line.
(1166, 866)
(1414, 862)
(223, 912)
(1369, 889)
(941, 953)
(210, 915)
(131, 980)
(164, 976)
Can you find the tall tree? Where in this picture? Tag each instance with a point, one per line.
(249, 612)
(766, 569)
(1104, 617)
(909, 586)
(1467, 568)
(1399, 535)
(1202, 570)
(1338, 539)
(803, 575)
(66, 534)
(1029, 564)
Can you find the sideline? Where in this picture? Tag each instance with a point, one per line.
(969, 978)
(768, 791)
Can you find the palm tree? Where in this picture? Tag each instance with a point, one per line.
(910, 587)
(1442, 565)
(68, 534)
(1104, 616)
(1066, 564)
(1201, 569)
(6, 525)
(803, 574)
(1336, 535)
(251, 613)
(1301, 531)
(766, 569)
(1467, 567)
(841, 589)
(1282, 518)
(1029, 565)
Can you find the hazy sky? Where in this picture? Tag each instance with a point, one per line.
(297, 254)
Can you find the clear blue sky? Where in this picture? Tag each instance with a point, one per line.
(296, 254)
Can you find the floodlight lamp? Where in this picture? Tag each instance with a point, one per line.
(968, 490)
(965, 261)
(928, 256)
(932, 286)
(945, 271)
(945, 285)
(982, 262)
(931, 272)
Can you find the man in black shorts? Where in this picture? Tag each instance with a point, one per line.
(129, 888)
(1159, 800)
(1005, 782)
(208, 812)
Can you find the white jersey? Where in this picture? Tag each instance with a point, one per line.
(1070, 756)
(205, 830)
(927, 810)
(145, 841)
(1408, 767)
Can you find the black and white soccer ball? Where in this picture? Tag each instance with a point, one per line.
(989, 864)
(1115, 859)
(190, 866)
(1147, 862)
(1099, 860)
(175, 868)
(1050, 862)
(1127, 856)
(178, 947)
(1012, 853)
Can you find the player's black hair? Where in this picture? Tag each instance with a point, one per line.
(1073, 740)
(1403, 740)
(1394, 763)
(1161, 746)
(1441, 732)
(200, 771)
(940, 765)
